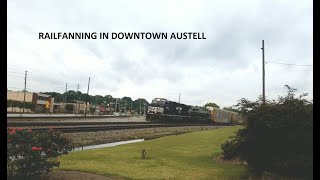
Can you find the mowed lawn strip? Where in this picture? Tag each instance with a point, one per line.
(186, 156)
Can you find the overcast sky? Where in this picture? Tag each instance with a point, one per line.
(223, 68)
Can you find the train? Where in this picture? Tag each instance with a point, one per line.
(163, 110)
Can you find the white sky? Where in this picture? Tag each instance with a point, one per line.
(222, 69)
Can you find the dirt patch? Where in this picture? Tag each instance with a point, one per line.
(67, 175)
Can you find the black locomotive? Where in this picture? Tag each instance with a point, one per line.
(163, 110)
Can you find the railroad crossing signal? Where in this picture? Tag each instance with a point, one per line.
(47, 105)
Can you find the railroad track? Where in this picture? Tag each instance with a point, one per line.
(112, 127)
(64, 117)
(60, 123)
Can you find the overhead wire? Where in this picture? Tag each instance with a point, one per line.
(288, 64)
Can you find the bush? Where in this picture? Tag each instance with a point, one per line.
(278, 136)
(34, 153)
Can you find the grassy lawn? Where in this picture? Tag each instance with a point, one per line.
(187, 156)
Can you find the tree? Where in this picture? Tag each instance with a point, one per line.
(71, 96)
(136, 105)
(230, 108)
(98, 100)
(108, 98)
(126, 101)
(19, 104)
(277, 136)
(211, 104)
(57, 96)
(29, 105)
(10, 103)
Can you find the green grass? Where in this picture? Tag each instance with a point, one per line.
(187, 156)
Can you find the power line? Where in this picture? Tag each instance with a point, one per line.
(15, 72)
(35, 80)
(21, 88)
(289, 64)
(44, 78)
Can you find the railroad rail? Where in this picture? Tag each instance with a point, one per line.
(61, 123)
(114, 127)
(64, 117)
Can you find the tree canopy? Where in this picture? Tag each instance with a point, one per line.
(211, 104)
(277, 136)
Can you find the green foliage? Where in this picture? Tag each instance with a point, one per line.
(9, 103)
(278, 135)
(211, 104)
(231, 108)
(57, 96)
(34, 153)
(71, 96)
(19, 104)
(29, 105)
(98, 100)
(235, 146)
(136, 105)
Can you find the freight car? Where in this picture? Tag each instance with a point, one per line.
(224, 117)
(163, 110)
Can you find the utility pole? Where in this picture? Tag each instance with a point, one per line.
(65, 97)
(179, 97)
(120, 107)
(78, 103)
(25, 88)
(263, 75)
(111, 104)
(116, 104)
(85, 112)
(140, 106)
(95, 104)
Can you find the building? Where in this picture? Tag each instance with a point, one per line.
(38, 100)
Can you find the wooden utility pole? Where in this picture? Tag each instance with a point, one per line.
(78, 103)
(65, 97)
(116, 105)
(120, 106)
(263, 75)
(85, 112)
(140, 106)
(179, 97)
(25, 89)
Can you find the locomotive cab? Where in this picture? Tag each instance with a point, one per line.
(156, 108)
